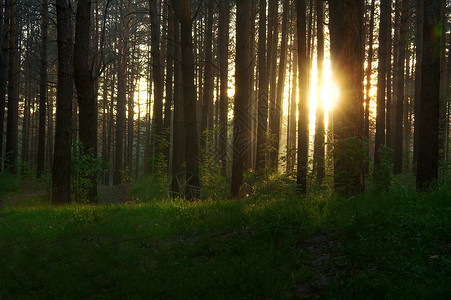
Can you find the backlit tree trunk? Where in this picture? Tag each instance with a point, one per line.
(303, 99)
(86, 87)
(347, 69)
(12, 121)
(43, 89)
(318, 157)
(385, 12)
(183, 12)
(62, 154)
(428, 139)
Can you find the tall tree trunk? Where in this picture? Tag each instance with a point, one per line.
(12, 121)
(428, 138)
(273, 41)
(281, 82)
(318, 157)
(385, 12)
(62, 154)
(240, 119)
(419, 56)
(169, 78)
(86, 87)
(43, 89)
(262, 126)
(121, 95)
(347, 69)
(399, 85)
(178, 132)
(224, 16)
(369, 71)
(105, 124)
(4, 28)
(50, 131)
(443, 101)
(157, 122)
(207, 100)
(183, 12)
(303, 104)
(293, 105)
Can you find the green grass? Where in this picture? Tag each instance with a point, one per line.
(393, 245)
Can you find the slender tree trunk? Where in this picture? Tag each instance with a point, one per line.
(178, 132)
(12, 121)
(50, 132)
(318, 157)
(303, 110)
(224, 16)
(399, 84)
(207, 101)
(62, 155)
(443, 101)
(240, 120)
(385, 12)
(183, 12)
(273, 41)
(3, 71)
(281, 82)
(105, 125)
(157, 122)
(169, 78)
(369, 71)
(428, 137)
(293, 106)
(43, 89)
(262, 127)
(121, 96)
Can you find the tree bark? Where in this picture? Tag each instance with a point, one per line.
(318, 156)
(207, 100)
(303, 110)
(4, 28)
(43, 89)
(62, 155)
(382, 78)
(157, 122)
(12, 122)
(347, 70)
(419, 56)
(240, 119)
(369, 71)
(262, 102)
(399, 91)
(224, 17)
(280, 83)
(86, 87)
(183, 12)
(121, 95)
(428, 138)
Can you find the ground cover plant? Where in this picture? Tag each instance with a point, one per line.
(392, 245)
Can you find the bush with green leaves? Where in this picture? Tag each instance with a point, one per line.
(214, 184)
(382, 174)
(84, 166)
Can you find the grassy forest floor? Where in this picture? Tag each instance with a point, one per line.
(393, 245)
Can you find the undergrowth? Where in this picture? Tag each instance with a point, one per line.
(392, 244)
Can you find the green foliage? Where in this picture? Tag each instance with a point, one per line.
(377, 245)
(160, 161)
(84, 167)
(383, 174)
(214, 185)
(350, 153)
(8, 183)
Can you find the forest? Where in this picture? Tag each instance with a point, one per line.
(239, 149)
